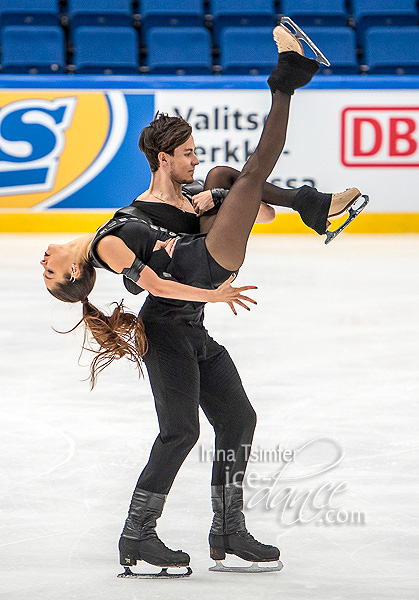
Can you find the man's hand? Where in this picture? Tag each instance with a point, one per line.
(202, 202)
(168, 245)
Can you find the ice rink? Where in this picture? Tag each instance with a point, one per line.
(329, 358)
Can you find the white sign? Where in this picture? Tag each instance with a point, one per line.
(336, 138)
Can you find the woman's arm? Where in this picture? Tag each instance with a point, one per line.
(118, 256)
(179, 291)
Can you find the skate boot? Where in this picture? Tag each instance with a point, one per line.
(293, 69)
(139, 540)
(316, 208)
(229, 535)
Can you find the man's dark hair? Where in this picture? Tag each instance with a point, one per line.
(164, 134)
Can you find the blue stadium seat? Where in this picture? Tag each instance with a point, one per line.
(29, 12)
(165, 13)
(248, 13)
(392, 50)
(316, 12)
(245, 50)
(104, 13)
(179, 50)
(338, 44)
(110, 50)
(391, 13)
(32, 49)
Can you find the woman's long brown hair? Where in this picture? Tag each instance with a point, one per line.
(119, 335)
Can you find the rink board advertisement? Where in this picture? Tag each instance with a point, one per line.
(74, 149)
(71, 155)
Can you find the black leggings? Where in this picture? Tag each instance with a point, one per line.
(227, 237)
(224, 177)
(188, 369)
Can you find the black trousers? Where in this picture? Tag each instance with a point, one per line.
(188, 369)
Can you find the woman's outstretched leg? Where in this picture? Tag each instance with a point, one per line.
(227, 239)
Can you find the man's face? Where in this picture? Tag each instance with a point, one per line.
(183, 162)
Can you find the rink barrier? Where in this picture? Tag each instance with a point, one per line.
(70, 171)
(85, 222)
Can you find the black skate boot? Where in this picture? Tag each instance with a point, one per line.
(229, 535)
(139, 540)
(316, 208)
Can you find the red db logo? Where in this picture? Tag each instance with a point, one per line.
(380, 136)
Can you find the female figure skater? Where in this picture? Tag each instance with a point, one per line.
(197, 264)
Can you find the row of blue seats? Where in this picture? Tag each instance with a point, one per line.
(224, 13)
(242, 51)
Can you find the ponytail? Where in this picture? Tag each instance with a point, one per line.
(121, 334)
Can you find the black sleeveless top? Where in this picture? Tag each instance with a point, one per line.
(137, 234)
(167, 216)
(175, 222)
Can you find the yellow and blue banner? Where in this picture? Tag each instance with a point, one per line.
(69, 152)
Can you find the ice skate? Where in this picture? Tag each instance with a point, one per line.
(219, 567)
(163, 574)
(353, 213)
(316, 208)
(229, 535)
(293, 69)
(243, 545)
(139, 540)
(300, 35)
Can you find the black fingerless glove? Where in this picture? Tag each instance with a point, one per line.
(218, 195)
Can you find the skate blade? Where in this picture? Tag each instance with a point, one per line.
(353, 212)
(253, 568)
(162, 575)
(300, 35)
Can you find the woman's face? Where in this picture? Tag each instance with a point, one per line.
(56, 262)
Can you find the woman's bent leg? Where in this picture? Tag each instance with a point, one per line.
(224, 177)
(314, 207)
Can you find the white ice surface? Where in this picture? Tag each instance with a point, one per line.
(330, 351)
